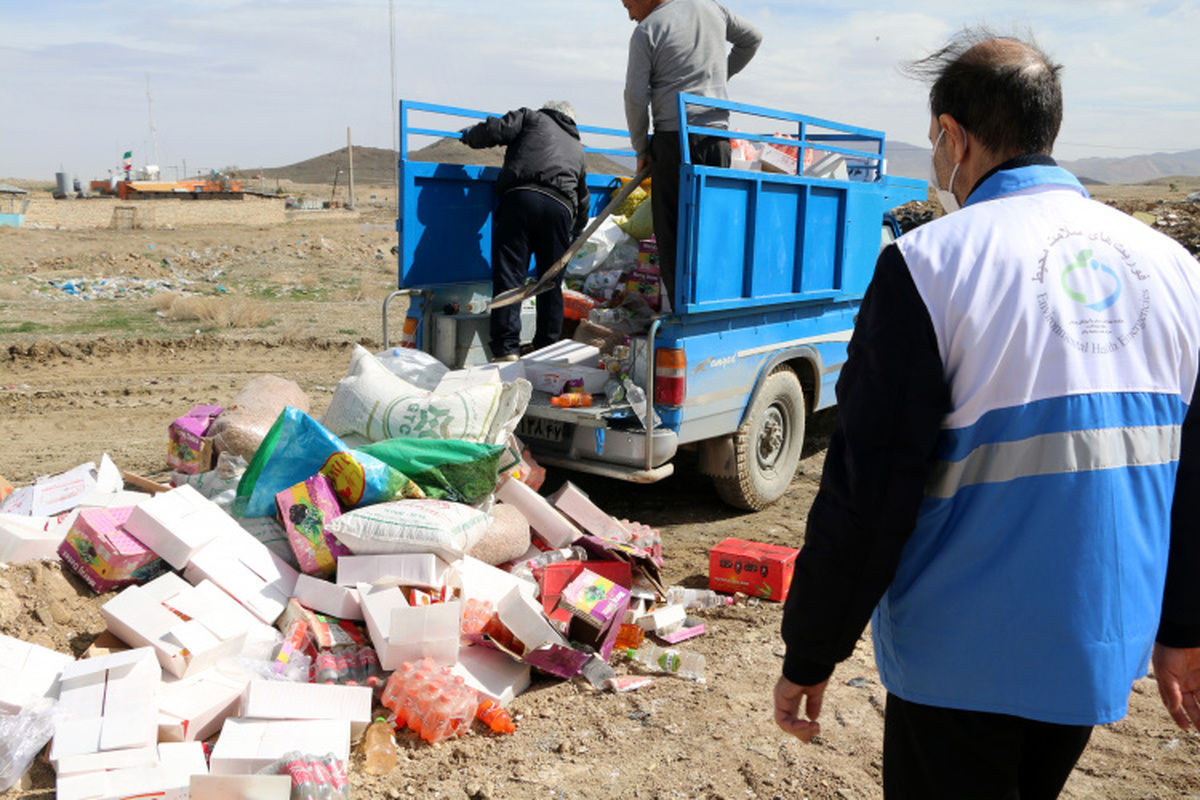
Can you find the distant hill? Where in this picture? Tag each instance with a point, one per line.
(1137, 169)
(375, 165)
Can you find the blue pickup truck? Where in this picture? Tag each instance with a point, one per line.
(771, 268)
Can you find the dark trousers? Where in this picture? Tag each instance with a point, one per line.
(527, 223)
(931, 753)
(665, 157)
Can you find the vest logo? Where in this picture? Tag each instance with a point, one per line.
(1100, 302)
(1095, 281)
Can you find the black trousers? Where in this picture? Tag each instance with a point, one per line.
(665, 157)
(931, 753)
(527, 223)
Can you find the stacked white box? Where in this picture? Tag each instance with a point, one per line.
(247, 745)
(249, 572)
(28, 672)
(401, 632)
(195, 707)
(176, 524)
(287, 700)
(167, 779)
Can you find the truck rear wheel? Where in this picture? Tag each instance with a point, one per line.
(767, 446)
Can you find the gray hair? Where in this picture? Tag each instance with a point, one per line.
(561, 106)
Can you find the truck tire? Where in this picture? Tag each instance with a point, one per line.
(767, 445)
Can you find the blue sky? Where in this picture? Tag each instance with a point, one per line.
(252, 83)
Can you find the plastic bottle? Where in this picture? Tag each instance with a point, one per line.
(490, 713)
(370, 661)
(322, 779)
(637, 400)
(614, 390)
(572, 400)
(304, 785)
(664, 659)
(697, 598)
(337, 774)
(326, 667)
(629, 637)
(379, 746)
(475, 615)
(345, 676)
(604, 316)
(524, 569)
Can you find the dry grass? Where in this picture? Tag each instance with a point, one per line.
(10, 292)
(222, 312)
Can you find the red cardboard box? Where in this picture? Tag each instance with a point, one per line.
(757, 569)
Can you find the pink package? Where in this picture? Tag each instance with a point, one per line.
(188, 449)
(304, 511)
(104, 554)
(594, 598)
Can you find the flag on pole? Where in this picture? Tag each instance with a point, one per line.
(128, 162)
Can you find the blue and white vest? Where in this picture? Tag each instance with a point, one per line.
(1070, 336)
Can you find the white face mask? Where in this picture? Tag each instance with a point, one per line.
(945, 196)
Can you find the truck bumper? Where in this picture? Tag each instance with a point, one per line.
(581, 439)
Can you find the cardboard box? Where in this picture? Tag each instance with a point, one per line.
(189, 628)
(574, 502)
(247, 745)
(328, 598)
(104, 554)
(325, 631)
(194, 708)
(552, 376)
(594, 598)
(240, 787)
(108, 713)
(265, 699)
(167, 779)
(544, 519)
(779, 158)
(304, 511)
(249, 572)
(28, 672)
(24, 538)
(492, 672)
(188, 449)
(401, 632)
(178, 523)
(757, 569)
(399, 569)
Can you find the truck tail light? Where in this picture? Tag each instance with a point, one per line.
(408, 335)
(670, 376)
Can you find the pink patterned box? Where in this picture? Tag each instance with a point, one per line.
(188, 449)
(100, 550)
(304, 511)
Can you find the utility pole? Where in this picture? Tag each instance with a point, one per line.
(350, 153)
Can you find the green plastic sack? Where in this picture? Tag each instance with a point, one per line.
(298, 447)
(445, 469)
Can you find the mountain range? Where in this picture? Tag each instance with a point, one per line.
(373, 165)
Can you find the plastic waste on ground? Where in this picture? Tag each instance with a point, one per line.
(313, 777)
(669, 660)
(524, 569)
(379, 747)
(492, 714)
(697, 598)
(21, 737)
(430, 700)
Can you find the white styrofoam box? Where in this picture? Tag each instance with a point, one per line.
(552, 377)
(544, 519)
(663, 619)
(328, 598)
(247, 745)
(24, 538)
(407, 633)
(167, 779)
(566, 351)
(195, 707)
(240, 787)
(108, 710)
(265, 699)
(574, 502)
(189, 628)
(178, 523)
(27, 672)
(249, 572)
(482, 581)
(525, 618)
(399, 569)
(492, 673)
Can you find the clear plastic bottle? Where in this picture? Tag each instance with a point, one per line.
(304, 784)
(614, 390)
(524, 569)
(337, 773)
(379, 746)
(669, 660)
(697, 598)
(637, 399)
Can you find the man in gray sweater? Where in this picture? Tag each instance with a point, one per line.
(679, 46)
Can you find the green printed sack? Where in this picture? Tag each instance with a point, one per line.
(445, 469)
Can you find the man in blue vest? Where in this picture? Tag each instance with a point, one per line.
(1012, 493)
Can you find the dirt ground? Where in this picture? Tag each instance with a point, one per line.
(80, 377)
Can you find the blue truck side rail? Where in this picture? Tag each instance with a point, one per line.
(771, 270)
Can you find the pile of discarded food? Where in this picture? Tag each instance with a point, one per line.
(302, 584)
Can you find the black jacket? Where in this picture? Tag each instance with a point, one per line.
(543, 150)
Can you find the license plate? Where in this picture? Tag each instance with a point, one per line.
(547, 430)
